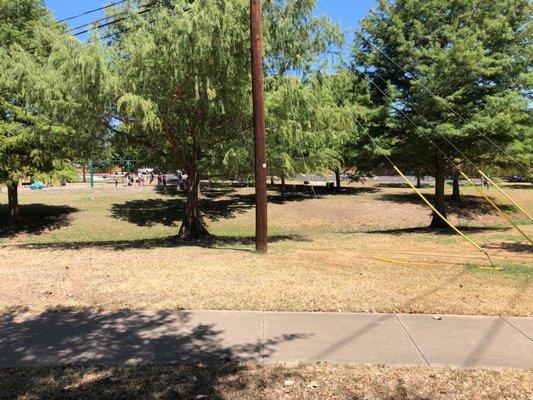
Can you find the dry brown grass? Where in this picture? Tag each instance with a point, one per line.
(234, 381)
(110, 255)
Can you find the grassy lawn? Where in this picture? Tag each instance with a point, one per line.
(232, 381)
(111, 249)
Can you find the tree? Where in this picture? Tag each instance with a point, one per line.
(345, 101)
(29, 140)
(184, 90)
(295, 42)
(52, 95)
(305, 120)
(473, 56)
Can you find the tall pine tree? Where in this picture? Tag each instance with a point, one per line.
(473, 55)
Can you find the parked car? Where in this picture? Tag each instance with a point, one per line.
(517, 179)
(146, 170)
(181, 175)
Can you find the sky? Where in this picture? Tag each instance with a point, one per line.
(346, 12)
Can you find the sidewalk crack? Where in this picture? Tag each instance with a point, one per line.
(412, 340)
(262, 342)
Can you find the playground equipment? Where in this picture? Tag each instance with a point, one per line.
(126, 166)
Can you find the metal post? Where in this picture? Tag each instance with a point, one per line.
(128, 166)
(91, 173)
(261, 228)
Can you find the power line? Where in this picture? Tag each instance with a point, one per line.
(136, 26)
(125, 30)
(97, 21)
(92, 11)
(109, 23)
(113, 22)
(97, 24)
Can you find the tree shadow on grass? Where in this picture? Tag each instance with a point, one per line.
(512, 247)
(211, 242)
(35, 219)
(215, 204)
(438, 231)
(301, 192)
(467, 207)
(200, 345)
(167, 212)
(401, 185)
(210, 191)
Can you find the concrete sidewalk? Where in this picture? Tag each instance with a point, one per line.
(57, 338)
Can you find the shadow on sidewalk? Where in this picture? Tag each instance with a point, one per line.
(128, 339)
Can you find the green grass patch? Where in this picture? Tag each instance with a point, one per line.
(502, 268)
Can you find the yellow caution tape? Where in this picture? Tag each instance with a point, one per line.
(504, 215)
(439, 214)
(393, 261)
(506, 196)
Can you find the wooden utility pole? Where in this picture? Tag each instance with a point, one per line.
(261, 228)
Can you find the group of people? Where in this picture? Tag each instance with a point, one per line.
(140, 178)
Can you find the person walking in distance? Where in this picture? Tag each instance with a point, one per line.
(115, 178)
(486, 184)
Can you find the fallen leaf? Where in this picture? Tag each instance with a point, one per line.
(313, 385)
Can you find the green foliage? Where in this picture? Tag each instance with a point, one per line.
(305, 127)
(473, 55)
(310, 124)
(184, 83)
(29, 139)
(62, 171)
(295, 38)
(52, 100)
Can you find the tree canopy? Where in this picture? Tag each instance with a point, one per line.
(30, 140)
(184, 91)
(458, 70)
(53, 95)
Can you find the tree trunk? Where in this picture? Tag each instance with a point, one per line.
(13, 210)
(418, 182)
(440, 200)
(192, 226)
(337, 180)
(282, 186)
(84, 173)
(456, 194)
